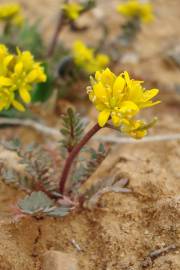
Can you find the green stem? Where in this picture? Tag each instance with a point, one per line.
(7, 28)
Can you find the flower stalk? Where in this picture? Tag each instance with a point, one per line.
(59, 27)
(72, 155)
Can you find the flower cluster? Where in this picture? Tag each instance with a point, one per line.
(87, 59)
(136, 9)
(11, 13)
(18, 73)
(72, 10)
(120, 99)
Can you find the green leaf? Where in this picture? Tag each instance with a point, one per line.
(72, 130)
(12, 113)
(39, 204)
(59, 212)
(29, 38)
(101, 148)
(35, 203)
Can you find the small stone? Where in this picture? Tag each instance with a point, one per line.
(58, 260)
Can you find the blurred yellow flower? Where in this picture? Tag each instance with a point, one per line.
(72, 10)
(18, 73)
(137, 9)
(120, 99)
(86, 58)
(11, 13)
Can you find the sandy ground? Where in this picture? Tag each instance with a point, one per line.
(125, 228)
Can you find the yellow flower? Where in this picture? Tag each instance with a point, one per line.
(11, 13)
(18, 20)
(137, 9)
(137, 128)
(86, 58)
(6, 98)
(72, 10)
(18, 73)
(119, 98)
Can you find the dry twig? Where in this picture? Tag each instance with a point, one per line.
(32, 124)
(154, 138)
(156, 253)
(76, 245)
(55, 133)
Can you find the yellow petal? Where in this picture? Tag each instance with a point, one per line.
(148, 104)
(72, 10)
(139, 134)
(102, 60)
(138, 9)
(19, 67)
(116, 120)
(103, 117)
(129, 107)
(118, 86)
(98, 75)
(7, 60)
(24, 94)
(2, 105)
(122, 9)
(130, 82)
(18, 106)
(148, 94)
(108, 77)
(100, 107)
(5, 81)
(126, 76)
(32, 76)
(100, 91)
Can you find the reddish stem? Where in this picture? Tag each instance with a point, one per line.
(59, 27)
(75, 151)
